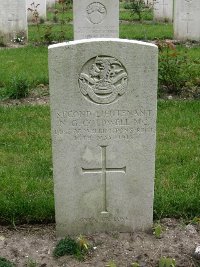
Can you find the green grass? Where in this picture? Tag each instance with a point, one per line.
(28, 62)
(146, 31)
(128, 16)
(67, 16)
(35, 36)
(26, 186)
(177, 191)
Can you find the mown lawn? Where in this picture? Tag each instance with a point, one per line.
(26, 184)
(31, 63)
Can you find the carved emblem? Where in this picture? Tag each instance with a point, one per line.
(103, 79)
(96, 12)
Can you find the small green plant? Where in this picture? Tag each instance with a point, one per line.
(167, 262)
(136, 7)
(19, 87)
(135, 264)
(69, 246)
(175, 69)
(48, 34)
(111, 264)
(35, 17)
(158, 231)
(5, 263)
(31, 263)
(83, 243)
(63, 6)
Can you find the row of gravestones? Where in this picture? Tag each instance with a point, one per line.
(14, 16)
(186, 14)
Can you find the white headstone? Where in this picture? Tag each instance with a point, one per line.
(187, 20)
(13, 22)
(163, 10)
(39, 6)
(96, 19)
(103, 106)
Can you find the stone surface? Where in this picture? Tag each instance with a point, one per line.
(39, 5)
(50, 3)
(187, 20)
(191, 229)
(163, 10)
(197, 252)
(13, 22)
(103, 107)
(96, 19)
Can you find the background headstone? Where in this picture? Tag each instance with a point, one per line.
(41, 8)
(96, 19)
(13, 20)
(187, 20)
(163, 10)
(103, 105)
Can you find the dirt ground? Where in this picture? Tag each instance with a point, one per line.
(28, 245)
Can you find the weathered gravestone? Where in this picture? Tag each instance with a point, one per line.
(96, 19)
(163, 10)
(103, 106)
(187, 20)
(39, 6)
(13, 22)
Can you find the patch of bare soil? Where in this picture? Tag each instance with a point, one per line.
(36, 244)
(38, 96)
(43, 100)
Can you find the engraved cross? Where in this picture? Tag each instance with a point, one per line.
(103, 171)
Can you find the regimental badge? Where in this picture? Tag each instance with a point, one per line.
(103, 79)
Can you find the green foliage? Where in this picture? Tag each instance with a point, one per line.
(111, 264)
(69, 246)
(176, 70)
(35, 17)
(158, 230)
(48, 35)
(26, 63)
(83, 243)
(62, 8)
(19, 87)
(135, 264)
(31, 263)
(167, 262)
(5, 263)
(137, 7)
